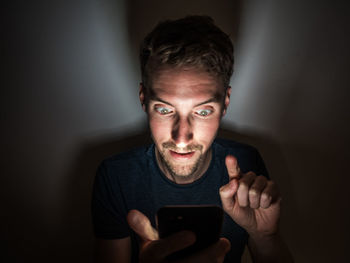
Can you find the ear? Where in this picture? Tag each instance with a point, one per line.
(142, 96)
(227, 100)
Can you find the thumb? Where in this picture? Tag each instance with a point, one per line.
(141, 225)
(227, 195)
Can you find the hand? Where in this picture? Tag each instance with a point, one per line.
(252, 201)
(153, 249)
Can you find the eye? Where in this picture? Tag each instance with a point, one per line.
(163, 110)
(204, 113)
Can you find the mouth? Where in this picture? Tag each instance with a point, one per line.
(181, 156)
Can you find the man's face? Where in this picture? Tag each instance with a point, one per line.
(184, 111)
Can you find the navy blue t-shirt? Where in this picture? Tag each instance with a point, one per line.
(133, 180)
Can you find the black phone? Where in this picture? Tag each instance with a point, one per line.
(204, 220)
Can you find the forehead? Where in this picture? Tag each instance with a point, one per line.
(186, 84)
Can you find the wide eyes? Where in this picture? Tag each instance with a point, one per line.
(166, 111)
(163, 110)
(204, 112)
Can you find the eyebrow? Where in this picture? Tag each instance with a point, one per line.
(212, 99)
(161, 100)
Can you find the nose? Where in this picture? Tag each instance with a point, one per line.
(182, 132)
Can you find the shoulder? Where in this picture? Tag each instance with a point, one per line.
(231, 147)
(121, 165)
(138, 154)
(248, 157)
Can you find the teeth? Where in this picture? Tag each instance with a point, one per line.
(182, 153)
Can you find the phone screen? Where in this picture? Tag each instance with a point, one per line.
(205, 221)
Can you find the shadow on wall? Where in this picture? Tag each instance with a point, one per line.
(142, 16)
(77, 219)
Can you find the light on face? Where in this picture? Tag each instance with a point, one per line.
(181, 145)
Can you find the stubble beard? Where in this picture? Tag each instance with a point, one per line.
(181, 172)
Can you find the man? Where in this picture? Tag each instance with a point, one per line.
(186, 67)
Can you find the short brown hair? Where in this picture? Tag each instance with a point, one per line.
(193, 41)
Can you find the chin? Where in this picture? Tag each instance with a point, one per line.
(182, 170)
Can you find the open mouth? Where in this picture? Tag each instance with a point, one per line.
(183, 156)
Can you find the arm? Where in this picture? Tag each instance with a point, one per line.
(269, 249)
(112, 243)
(254, 203)
(113, 251)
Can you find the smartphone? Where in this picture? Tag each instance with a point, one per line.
(204, 220)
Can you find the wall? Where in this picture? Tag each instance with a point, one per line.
(291, 89)
(69, 98)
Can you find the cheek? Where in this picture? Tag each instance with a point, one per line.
(206, 131)
(160, 130)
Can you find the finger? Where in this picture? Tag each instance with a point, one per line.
(255, 191)
(227, 193)
(221, 248)
(214, 253)
(166, 246)
(141, 225)
(269, 195)
(243, 189)
(232, 167)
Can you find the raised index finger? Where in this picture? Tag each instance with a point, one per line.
(232, 167)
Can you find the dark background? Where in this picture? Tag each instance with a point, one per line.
(69, 86)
